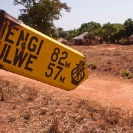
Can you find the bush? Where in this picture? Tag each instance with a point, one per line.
(127, 74)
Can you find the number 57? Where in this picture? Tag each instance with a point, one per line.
(50, 68)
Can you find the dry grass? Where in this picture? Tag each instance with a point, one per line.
(108, 59)
(27, 108)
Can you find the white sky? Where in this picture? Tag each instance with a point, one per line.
(84, 11)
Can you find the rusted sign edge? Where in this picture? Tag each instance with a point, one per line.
(4, 14)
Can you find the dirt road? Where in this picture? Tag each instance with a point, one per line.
(107, 90)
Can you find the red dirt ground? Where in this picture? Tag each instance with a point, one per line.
(104, 89)
(31, 106)
(106, 86)
(108, 90)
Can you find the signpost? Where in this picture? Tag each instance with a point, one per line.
(25, 51)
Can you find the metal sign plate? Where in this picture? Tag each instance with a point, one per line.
(27, 52)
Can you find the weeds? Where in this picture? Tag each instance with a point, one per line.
(92, 65)
(127, 74)
(54, 128)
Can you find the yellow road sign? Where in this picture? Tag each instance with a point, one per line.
(27, 52)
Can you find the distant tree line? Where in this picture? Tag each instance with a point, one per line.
(40, 14)
(110, 33)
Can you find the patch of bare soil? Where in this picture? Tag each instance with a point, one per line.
(103, 103)
(110, 73)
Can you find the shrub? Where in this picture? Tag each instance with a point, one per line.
(127, 74)
(92, 65)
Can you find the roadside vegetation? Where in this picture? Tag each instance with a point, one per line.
(127, 74)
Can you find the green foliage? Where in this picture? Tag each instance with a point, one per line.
(128, 25)
(92, 65)
(91, 27)
(40, 14)
(110, 33)
(120, 32)
(127, 74)
(62, 33)
(54, 33)
(109, 30)
(72, 33)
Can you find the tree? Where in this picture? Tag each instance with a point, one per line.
(128, 25)
(90, 36)
(83, 28)
(92, 28)
(71, 34)
(40, 14)
(54, 33)
(62, 33)
(108, 31)
(120, 33)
